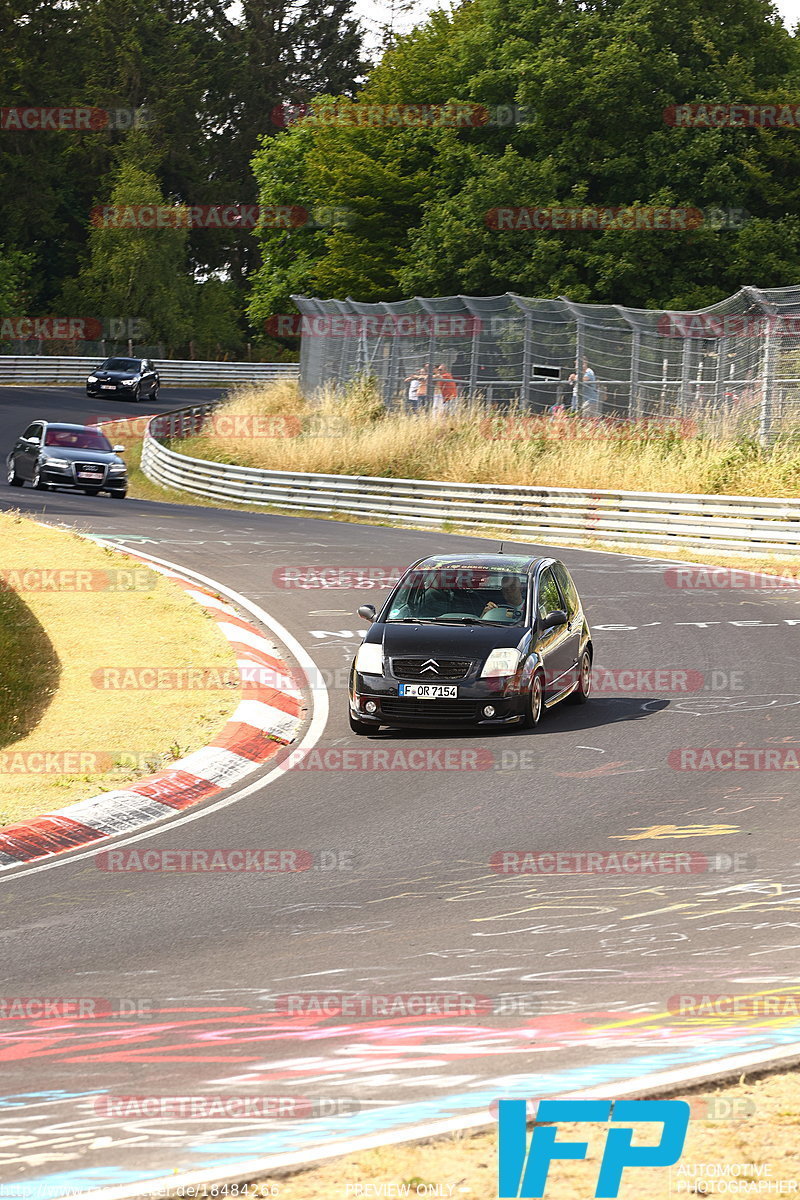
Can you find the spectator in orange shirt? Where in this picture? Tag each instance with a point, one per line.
(446, 384)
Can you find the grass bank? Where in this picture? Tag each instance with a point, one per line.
(89, 718)
(351, 434)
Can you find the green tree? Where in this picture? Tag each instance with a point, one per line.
(598, 75)
(135, 272)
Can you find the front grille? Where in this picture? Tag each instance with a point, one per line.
(448, 668)
(81, 466)
(431, 710)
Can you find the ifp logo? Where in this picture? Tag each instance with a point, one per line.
(523, 1168)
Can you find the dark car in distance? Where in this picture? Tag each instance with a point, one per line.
(53, 455)
(129, 378)
(483, 640)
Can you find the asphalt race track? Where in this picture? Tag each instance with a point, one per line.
(409, 904)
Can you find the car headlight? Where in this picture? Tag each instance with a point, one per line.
(57, 464)
(501, 662)
(369, 659)
(132, 382)
(92, 379)
(117, 469)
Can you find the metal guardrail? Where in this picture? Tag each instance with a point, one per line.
(742, 524)
(174, 373)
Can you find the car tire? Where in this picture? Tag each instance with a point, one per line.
(115, 495)
(92, 491)
(14, 479)
(154, 394)
(534, 707)
(584, 688)
(361, 728)
(136, 395)
(37, 480)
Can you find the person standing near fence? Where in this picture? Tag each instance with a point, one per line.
(591, 393)
(414, 382)
(447, 386)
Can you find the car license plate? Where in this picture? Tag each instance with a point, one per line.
(429, 691)
(90, 474)
(108, 387)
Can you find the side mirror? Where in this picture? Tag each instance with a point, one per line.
(34, 441)
(118, 449)
(367, 611)
(554, 619)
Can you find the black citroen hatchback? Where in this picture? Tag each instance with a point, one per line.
(486, 640)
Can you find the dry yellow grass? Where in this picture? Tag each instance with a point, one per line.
(142, 621)
(275, 428)
(464, 1167)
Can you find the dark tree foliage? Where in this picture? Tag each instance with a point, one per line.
(202, 81)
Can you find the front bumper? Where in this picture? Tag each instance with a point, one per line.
(68, 479)
(503, 695)
(110, 389)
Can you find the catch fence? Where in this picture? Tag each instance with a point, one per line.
(738, 360)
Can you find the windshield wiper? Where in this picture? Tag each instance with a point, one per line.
(466, 621)
(412, 621)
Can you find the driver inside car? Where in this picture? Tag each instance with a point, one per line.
(510, 607)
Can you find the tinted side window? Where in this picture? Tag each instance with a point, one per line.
(568, 589)
(34, 430)
(549, 597)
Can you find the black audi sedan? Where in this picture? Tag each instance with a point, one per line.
(485, 640)
(50, 455)
(126, 378)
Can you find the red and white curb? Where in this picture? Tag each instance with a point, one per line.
(268, 717)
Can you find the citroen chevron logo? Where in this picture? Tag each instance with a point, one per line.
(430, 665)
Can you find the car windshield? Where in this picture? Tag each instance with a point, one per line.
(121, 364)
(77, 439)
(461, 595)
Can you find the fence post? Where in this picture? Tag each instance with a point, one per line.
(577, 395)
(473, 356)
(431, 353)
(765, 433)
(526, 363)
(720, 383)
(686, 374)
